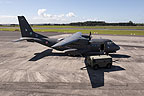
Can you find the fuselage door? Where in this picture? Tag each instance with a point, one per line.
(102, 47)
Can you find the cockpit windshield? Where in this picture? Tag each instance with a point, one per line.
(110, 42)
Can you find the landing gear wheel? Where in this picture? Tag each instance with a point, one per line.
(107, 53)
(109, 65)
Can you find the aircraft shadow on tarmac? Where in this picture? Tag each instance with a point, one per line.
(45, 53)
(48, 52)
(97, 76)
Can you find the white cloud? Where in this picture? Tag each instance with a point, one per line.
(58, 18)
(54, 18)
(41, 12)
(70, 14)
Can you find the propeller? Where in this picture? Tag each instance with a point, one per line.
(90, 36)
(87, 36)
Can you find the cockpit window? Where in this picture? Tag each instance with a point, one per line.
(109, 42)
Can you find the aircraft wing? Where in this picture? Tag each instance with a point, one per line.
(75, 37)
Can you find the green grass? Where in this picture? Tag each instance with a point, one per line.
(114, 32)
(97, 27)
(9, 29)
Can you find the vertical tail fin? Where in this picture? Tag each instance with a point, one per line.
(26, 30)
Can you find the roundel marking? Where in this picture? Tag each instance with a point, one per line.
(30, 33)
(46, 42)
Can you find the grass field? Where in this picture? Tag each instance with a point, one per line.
(113, 32)
(95, 27)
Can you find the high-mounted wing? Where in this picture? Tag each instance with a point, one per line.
(75, 37)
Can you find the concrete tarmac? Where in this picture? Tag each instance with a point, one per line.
(30, 69)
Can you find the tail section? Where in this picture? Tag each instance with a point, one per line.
(31, 36)
(26, 30)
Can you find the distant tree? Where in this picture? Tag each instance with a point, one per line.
(130, 22)
(12, 25)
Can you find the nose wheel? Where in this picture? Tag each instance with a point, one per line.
(106, 53)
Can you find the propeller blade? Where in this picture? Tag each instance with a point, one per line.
(90, 33)
(90, 36)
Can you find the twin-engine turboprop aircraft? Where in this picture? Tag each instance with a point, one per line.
(76, 44)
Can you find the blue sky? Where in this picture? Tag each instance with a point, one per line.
(65, 11)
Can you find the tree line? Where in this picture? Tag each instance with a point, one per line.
(87, 23)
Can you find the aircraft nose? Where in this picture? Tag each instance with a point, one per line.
(117, 47)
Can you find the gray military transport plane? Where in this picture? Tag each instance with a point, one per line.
(76, 44)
